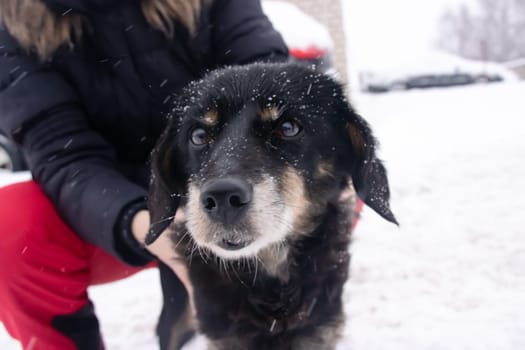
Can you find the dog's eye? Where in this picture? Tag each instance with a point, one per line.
(199, 136)
(289, 128)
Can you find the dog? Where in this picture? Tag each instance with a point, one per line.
(259, 157)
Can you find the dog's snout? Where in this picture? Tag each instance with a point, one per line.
(225, 200)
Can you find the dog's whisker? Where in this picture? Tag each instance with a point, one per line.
(227, 268)
(192, 252)
(190, 257)
(179, 241)
(162, 220)
(262, 262)
(247, 260)
(239, 277)
(255, 274)
(202, 255)
(222, 266)
(222, 263)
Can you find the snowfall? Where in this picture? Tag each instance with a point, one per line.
(452, 276)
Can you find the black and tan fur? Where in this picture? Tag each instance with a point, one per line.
(283, 289)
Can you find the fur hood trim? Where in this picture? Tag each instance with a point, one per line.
(42, 31)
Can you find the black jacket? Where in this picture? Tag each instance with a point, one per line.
(87, 116)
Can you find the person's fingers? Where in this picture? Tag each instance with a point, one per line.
(163, 249)
(180, 216)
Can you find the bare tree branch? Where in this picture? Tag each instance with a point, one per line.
(495, 32)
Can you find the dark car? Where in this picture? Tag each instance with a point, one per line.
(439, 80)
(10, 156)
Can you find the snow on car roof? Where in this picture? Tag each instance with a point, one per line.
(298, 29)
(430, 62)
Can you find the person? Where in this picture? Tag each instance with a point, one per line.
(85, 86)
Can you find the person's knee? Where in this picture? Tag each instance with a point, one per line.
(34, 241)
(40, 258)
(16, 219)
(21, 206)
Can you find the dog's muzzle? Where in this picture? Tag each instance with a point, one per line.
(226, 201)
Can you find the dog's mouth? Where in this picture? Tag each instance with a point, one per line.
(232, 240)
(229, 244)
(235, 219)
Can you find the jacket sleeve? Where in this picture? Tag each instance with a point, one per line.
(242, 33)
(73, 164)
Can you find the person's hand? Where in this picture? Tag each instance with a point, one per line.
(162, 248)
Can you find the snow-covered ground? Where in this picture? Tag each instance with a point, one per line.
(453, 275)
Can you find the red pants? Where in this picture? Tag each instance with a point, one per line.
(45, 270)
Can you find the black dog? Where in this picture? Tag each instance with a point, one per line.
(259, 157)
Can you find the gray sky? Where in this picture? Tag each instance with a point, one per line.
(382, 30)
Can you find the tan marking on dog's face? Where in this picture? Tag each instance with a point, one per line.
(358, 142)
(324, 169)
(197, 221)
(270, 113)
(348, 194)
(294, 195)
(211, 117)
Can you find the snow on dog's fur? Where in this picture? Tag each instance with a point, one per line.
(259, 157)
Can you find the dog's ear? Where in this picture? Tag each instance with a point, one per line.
(166, 182)
(368, 172)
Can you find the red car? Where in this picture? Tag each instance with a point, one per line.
(308, 40)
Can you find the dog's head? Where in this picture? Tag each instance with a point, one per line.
(258, 152)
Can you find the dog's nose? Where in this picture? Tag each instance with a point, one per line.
(225, 200)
